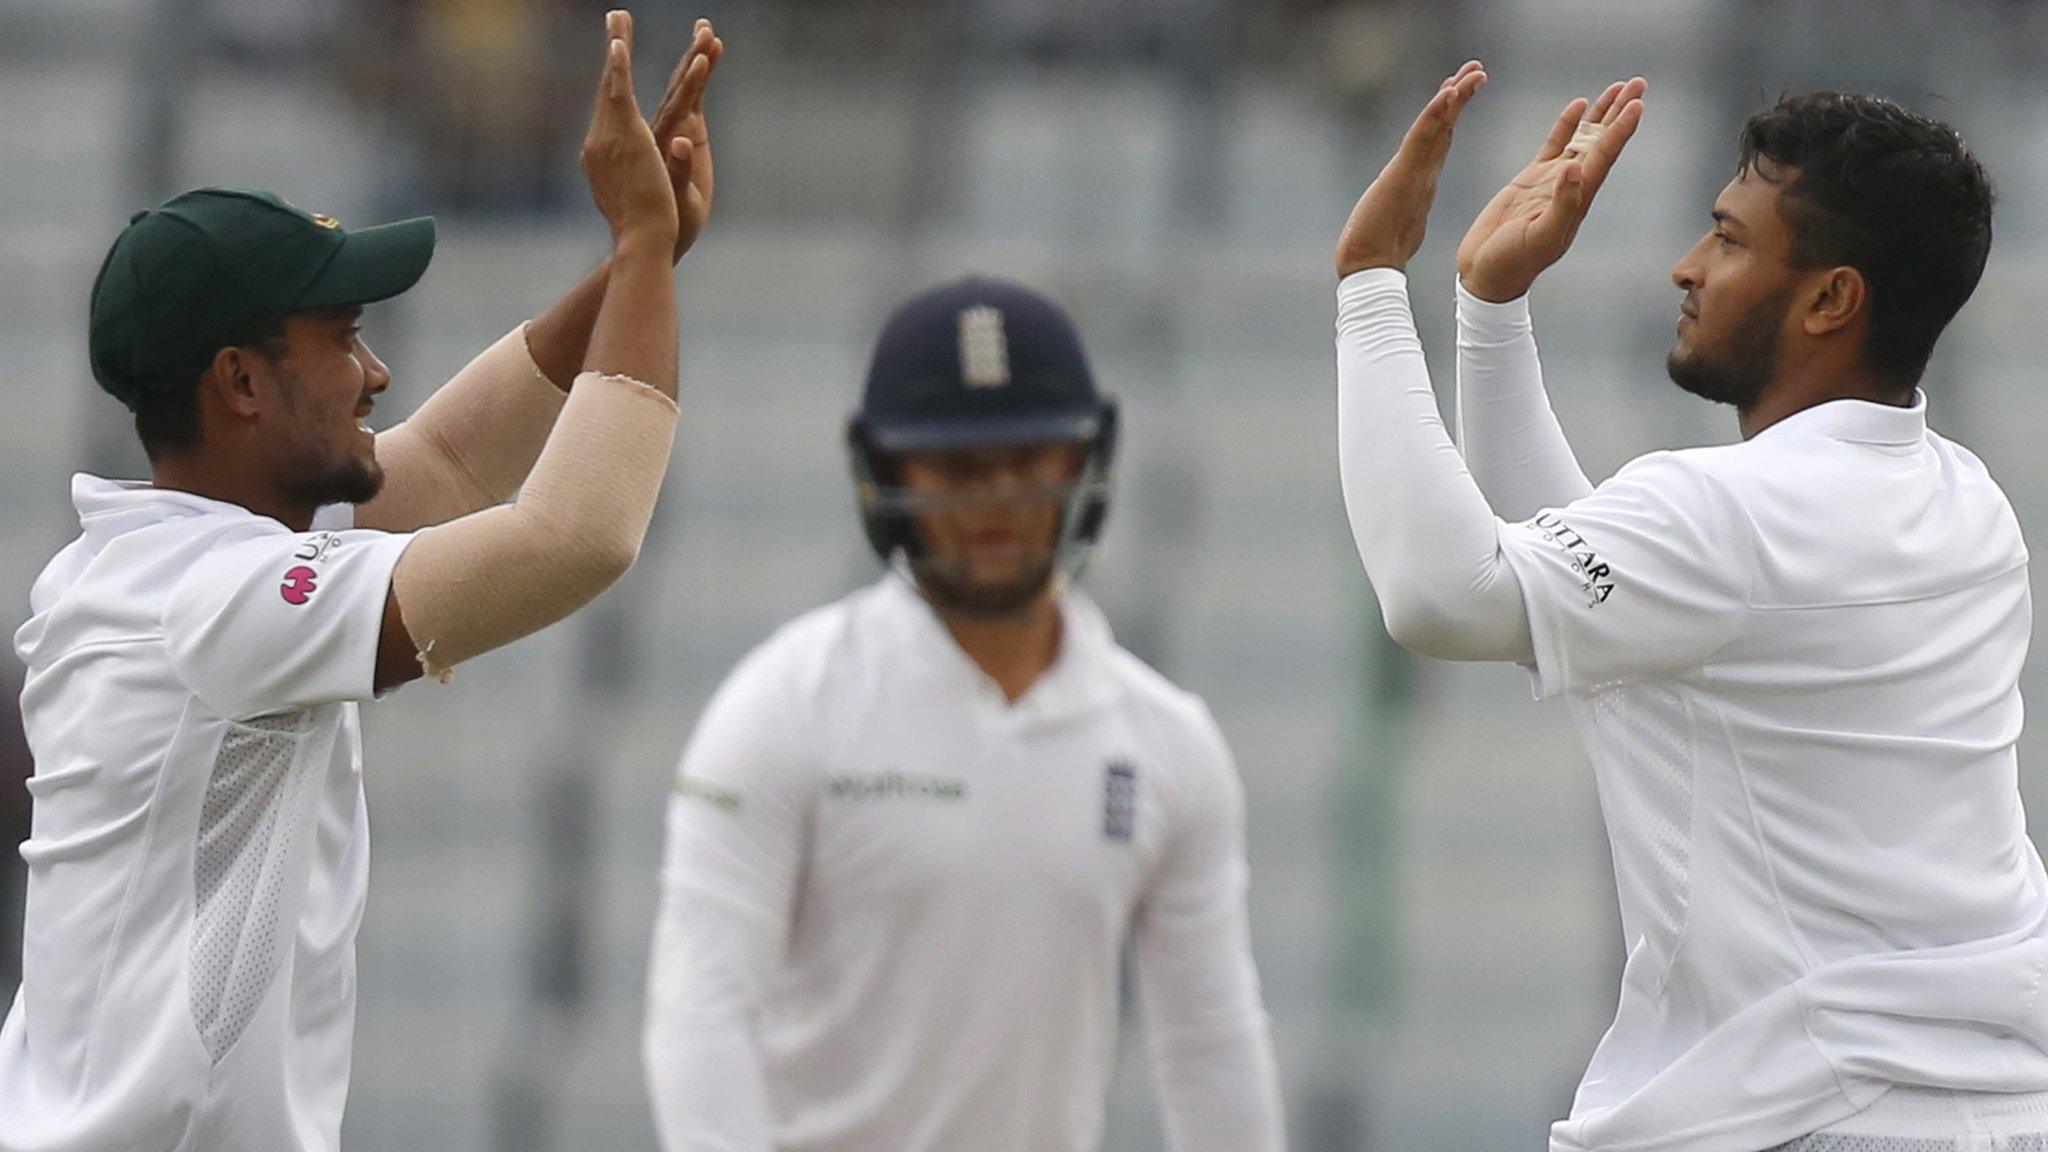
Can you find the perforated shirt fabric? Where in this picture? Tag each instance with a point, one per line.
(1794, 665)
(1907, 1119)
(200, 849)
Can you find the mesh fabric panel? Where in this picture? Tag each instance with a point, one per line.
(255, 803)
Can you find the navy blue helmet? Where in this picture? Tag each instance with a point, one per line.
(976, 363)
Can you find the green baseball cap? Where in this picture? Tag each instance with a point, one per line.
(213, 265)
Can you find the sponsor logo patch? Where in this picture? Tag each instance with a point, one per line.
(298, 586)
(314, 548)
(984, 348)
(1119, 800)
(723, 799)
(893, 785)
(1596, 579)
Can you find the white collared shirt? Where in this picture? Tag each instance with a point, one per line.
(1794, 663)
(199, 854)
(893, 903)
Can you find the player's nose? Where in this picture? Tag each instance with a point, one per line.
(376, 377)
(1686, 273)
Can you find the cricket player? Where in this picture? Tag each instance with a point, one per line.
(914, 830)
(1793, 660)
(199, 851)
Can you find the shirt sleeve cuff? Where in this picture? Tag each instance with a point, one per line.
(1374, 318)
(1488, 322)
(1354, 288)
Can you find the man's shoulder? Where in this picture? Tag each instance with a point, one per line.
(1722, 463)
(1143, 687)
(1163, 708)
(126, 573)
(807, 655)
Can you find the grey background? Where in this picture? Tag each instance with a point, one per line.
(1432, 909)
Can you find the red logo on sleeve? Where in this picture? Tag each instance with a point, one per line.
(298, 585)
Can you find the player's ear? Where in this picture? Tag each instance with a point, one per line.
(1837, 299)
(231, 379)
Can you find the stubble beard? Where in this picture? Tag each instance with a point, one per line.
(349, 481)
(1740, 375)
(319, 477)
(953, 592)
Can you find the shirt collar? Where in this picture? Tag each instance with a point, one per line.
(109, 508)
(1858, 422)
(1077, 680)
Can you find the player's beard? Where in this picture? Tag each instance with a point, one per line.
(349, 480)
(951, 591)
(319, 474)
(1739, 374)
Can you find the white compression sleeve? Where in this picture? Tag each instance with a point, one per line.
(1509, 436)
(470, 445)
(1430, 543)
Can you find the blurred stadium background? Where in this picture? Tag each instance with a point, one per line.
(1431, 904)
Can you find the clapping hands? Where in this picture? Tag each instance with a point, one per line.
(1531, 223)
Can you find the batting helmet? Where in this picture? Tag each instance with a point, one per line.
(970, 364)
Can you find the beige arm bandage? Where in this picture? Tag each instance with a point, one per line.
(470, 445)
(489, 578)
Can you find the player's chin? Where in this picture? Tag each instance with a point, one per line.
(357, 481)
(976, 590)
(1006, 567)
(1679, 364)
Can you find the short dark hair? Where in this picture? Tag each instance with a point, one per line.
(1896, 196)
(167, 421)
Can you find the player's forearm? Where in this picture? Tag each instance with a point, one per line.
(634, 333)
(560, 337)
(1206, 1028)
(1221, 1093)
(713, 948)
(705, 1079)
(1429, 541)
(1510, 438)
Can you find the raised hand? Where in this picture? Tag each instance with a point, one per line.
(1531, 223)
(685, 141)
(1386, 226)
(628, 179)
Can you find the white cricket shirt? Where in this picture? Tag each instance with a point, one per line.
(893, 904)
(1795, 665)
(199, 853)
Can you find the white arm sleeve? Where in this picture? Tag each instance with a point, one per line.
(1430, 543)
(736, 824)
(1206, 1026)
(1510, 438)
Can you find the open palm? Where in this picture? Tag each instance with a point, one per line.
(1531, 223)
(1385, 227)
(685, 138)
